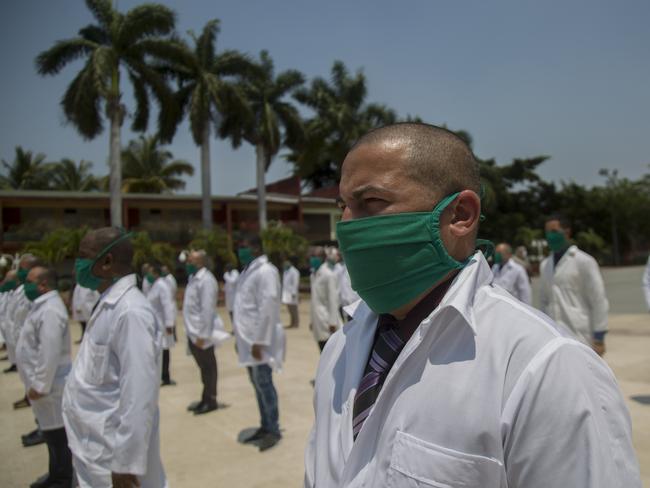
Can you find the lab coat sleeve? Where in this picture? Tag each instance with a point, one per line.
(646, 284)
(566, 423)
(523, 287)
(544, 298)
(268, 303)
(333, 299)
(208, 296)
(310, 460)
(137, 348)
(169, 307)
(594, 293)
(51, 341)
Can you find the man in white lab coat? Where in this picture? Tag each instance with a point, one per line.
(259, 334)
(164, 306)
(43, 357)
(325, 317)
(347, 296)
(291, 292)
(572, 291)
(442, 379)
(173, 286)
(199, 314)
(646, 283)
(511, 275)
(9, 284)
(110, 401)
(230, 278)
(83, 302)
(146, 286)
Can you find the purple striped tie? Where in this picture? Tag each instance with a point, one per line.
(384, 353)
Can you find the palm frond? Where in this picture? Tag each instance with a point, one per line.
(205, 43)
(53, 60)
(103, 12)
(81, 104)
(144, 21)
(141, 117)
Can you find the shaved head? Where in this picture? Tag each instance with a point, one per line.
(97, 240)
(41, 274)
(434, 157)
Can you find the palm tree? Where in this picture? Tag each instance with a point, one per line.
(116, 44)
(207, 95)
(26, 172)
(341, 117)
(68, 176)
(272, 122)
(147, 168)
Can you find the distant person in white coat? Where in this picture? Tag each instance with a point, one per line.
(173, 286)
(511, 275)
(110, 401)
(572, 290)
(199, 314)
(291, 292)
(230, 278)
(646, 283)
(347, 296)
(43, 355)
(259, 334)
(83, 302)
(9, 284)
(325, 317)
(146, 286)
(164, 306)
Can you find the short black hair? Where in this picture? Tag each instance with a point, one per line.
(253, 240)
(561, 218)
(437, 157)
(48, 275)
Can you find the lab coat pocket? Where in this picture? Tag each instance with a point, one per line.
(96, 359)
(419, 464)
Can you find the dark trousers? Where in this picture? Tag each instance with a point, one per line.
(165, 366)
(261, 377)
(207, 363)
(293, 313)
(60, 462)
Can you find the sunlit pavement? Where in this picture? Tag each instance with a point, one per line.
(203, 451)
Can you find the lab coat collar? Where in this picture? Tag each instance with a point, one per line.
(119, 288)
(199, 274)
(256, 263)
(44, 297)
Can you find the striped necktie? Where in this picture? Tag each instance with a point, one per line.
(387, 347)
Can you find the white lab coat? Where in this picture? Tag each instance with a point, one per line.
(347, 295)
(487, 393)
(83, 301)
(110, 401)
(4, 296)
(18, 307)
(173, 285)
(513, 278)
(146, 286)
(230, 285)
(290, 286)
(43, 357)
(200, 307)
(573, 294)
(256, 314)
(324, 302)
(646, 283)
(163, 304)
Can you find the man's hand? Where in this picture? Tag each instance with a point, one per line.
(170, 330)
(32, 394)
(200, 343)
(332, 329)
(124, 480)
(256, 351)
(599, 347)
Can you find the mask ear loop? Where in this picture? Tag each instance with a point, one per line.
(484, 245)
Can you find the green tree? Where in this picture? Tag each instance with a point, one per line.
(207, 93)
(271, 121)
(69, 176)
(116, 44)
(57, 245)
(341, 116)
(281, 242)
(28, 171)
(148, 168)
(216, 243)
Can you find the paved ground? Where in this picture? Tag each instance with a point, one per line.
(203, 451)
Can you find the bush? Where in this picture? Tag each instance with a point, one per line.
(216, 243)
(57, 245)
(281, 242)
(591, 243)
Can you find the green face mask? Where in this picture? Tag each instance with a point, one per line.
(84, 267)
(392, 259)
(22, 274)
(245, 255)
(191, 269)
(498, 258)
(315, 262)
(556, 240)
(150, 278)
(31, 291)
(8, 286)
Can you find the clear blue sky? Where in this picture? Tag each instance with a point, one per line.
(566, 78)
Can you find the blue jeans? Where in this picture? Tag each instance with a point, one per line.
(267, 397)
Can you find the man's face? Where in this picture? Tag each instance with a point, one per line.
(503, 250)
(374, 182)
(556, 226)
(33, 277)
(89, 249)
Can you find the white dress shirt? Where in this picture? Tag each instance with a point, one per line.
(487, 393)
(290, 286)
(110, 402)
(256, 314)
(573, 293)
(163, 304)
(230, 285)
(43, 357)
(325, 302)
(83, 301)
(512, 277)
(200, 307)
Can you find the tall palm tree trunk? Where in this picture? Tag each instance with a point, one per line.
(261, 186)
(206, 197)
(115, 178)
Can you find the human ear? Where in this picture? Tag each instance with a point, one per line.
(465, 214)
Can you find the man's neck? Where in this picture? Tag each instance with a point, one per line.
(402, 312)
